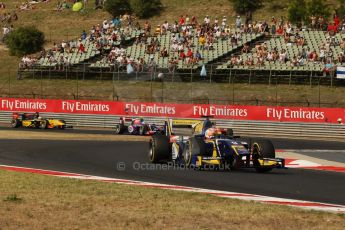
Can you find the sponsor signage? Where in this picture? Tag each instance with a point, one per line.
(341, 72)
(236, 112)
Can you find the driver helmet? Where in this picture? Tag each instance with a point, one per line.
(210, 132)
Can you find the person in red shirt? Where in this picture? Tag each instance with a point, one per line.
(182, 55)
(81, 48)
(336, 20)
(181, 21)
(189, 53)
(280, 30)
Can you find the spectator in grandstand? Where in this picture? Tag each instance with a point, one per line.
(197, 56)
(238, 22)
(202, 42)
(2, 5)
(245, 48)
(207, 20)
(81, 47)
(273, 26)
(233, 60)
(299, 40)
(294, 61)
(342, 45)
(193, 21)
(322, 56)
(152, 65)
(283, 56)
(182, 55)
(280, 30)
(300, 60)
(313, 57)
(329, 68)
(83, 35)
(313, 20)
(172, 64)
(341, 58)
(250, 61)
(224, 22)
(164, 52)
(147, 27)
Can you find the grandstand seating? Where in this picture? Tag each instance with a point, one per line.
(221, 48)
(313, 41)
(90, 52)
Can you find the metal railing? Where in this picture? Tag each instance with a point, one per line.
(245, 128)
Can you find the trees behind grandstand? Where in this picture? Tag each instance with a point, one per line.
(146, 8)
(341, 9)
(244, 6)
(25, 40)
(297, 11)
(300, 11)
(117, 7)
(141, 8)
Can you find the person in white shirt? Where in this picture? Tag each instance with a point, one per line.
(207, 20)
(224, 21)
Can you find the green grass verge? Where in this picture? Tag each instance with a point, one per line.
(31, 201)
(170, 92)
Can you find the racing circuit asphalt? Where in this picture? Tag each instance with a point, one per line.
(123, 160)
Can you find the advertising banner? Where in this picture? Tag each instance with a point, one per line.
(235, 112)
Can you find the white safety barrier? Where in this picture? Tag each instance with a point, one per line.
(245, 128)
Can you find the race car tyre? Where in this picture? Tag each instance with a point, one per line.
(194, 146)
(262, 149)
(15, 123)
(120, 128)
(44, 124)
(130, 129)
(160, 149)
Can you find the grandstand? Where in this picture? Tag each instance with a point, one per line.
(109, 49)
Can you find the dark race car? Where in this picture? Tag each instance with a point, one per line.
(33, 120)
(136, 126)
(207, 146)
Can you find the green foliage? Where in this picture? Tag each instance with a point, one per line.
(341, 9)
(318, 8)
(145, 8)
(25, 40)
(12, 197)
(117, 7)
(243, 6)
(297, 11)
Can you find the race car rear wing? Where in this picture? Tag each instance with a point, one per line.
(174, 126)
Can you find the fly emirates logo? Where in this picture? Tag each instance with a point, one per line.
(22, 105)
(150, 109)
(84, 107)
(219, 111)
(294, 114)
